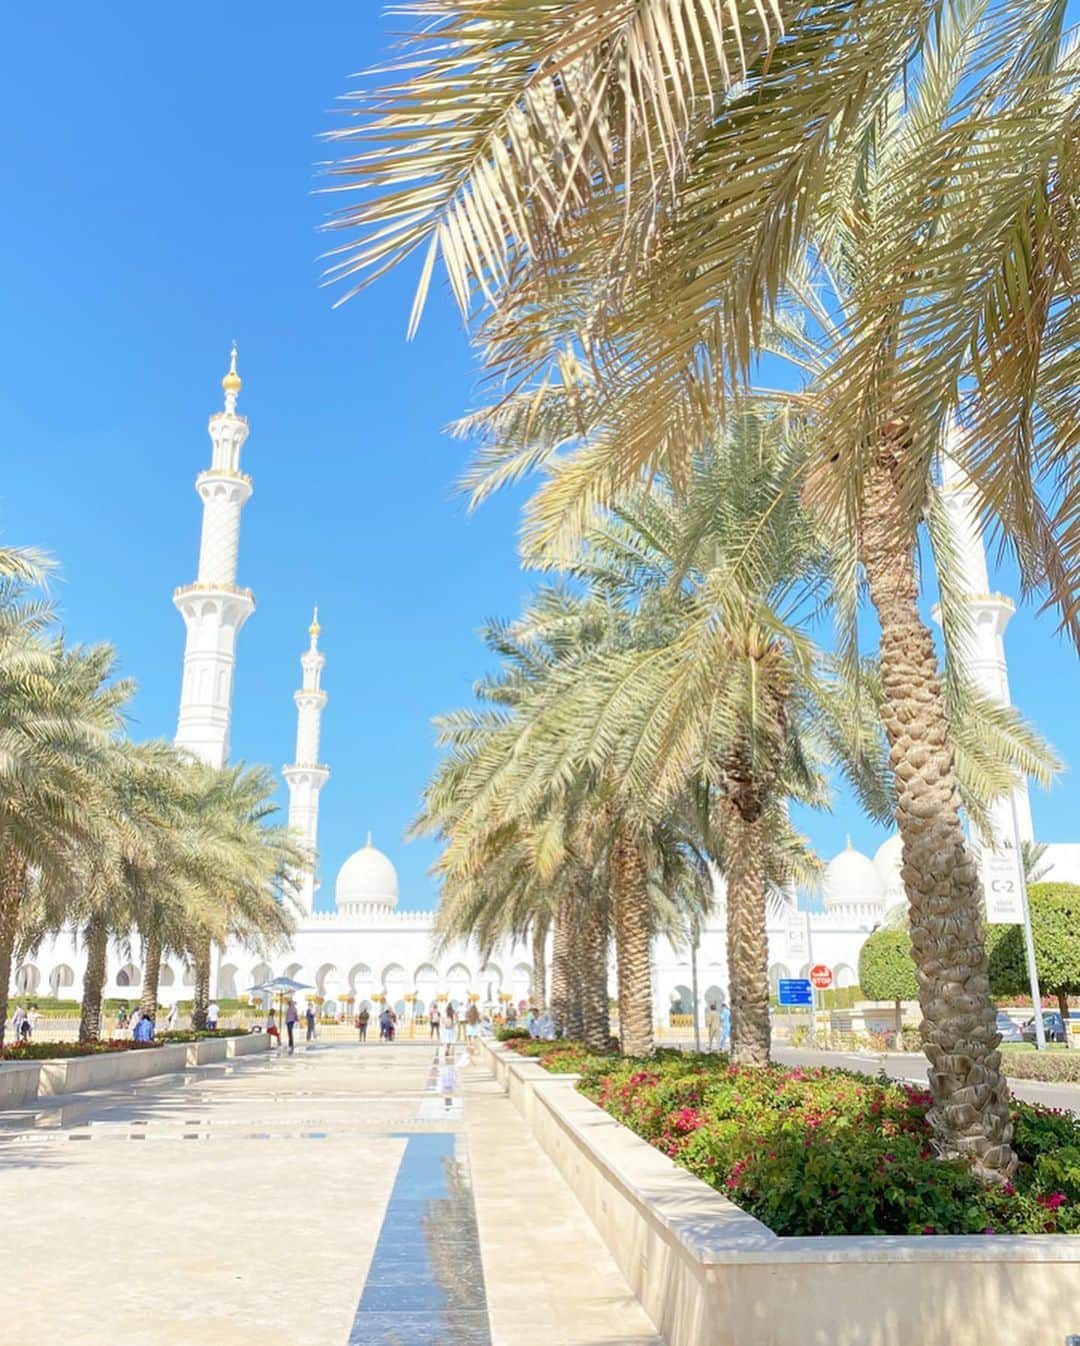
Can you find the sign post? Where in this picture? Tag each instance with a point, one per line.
(795, 992)
(813, 993)
(1005, 890)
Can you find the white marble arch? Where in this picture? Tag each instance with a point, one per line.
(844, 976)
(129, 976)
(491, 983)
(778, 972)
(362, 984)
(27, 979)
(61, 978)
(394, 987)
(226, 981)
(521, 982)
(458, 984)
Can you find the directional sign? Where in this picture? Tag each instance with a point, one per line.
(795, 991)
(1002, 878)
(821, 976)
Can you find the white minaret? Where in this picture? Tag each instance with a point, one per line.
(988, 616)
(306, 777)
(213, 608)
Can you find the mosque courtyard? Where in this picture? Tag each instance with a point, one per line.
(338, 1196)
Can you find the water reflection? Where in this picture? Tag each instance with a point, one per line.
(426, 1283)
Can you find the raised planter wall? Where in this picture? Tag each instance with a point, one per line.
(708, 1274)
(24, 1081)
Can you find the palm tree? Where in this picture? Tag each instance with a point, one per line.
(60, 709)
(245, 868)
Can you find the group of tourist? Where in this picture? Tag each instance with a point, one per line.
(292, 1020)
(141, 1025)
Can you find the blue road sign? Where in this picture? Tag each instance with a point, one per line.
(795, 991)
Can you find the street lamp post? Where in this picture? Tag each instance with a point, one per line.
(695, 941)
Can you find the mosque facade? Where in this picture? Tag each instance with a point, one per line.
(365, 948)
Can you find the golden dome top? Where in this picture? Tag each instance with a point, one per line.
(314, 629)
(231, 382)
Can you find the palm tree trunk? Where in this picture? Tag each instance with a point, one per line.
(633, 945)
(747, 937)
(539, 952)
(201, 968)
(577, 970)
(148, 1000)
(12, 891)
(97, 958)
(560, 968)
(595, 1026)
(970, 1114)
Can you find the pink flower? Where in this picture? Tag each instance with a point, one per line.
(1054, 1201)
(929, 1229)
(1008, 1188)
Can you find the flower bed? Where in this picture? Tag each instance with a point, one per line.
(825, 1152)
(56, 1051)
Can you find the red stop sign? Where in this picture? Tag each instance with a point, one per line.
(821, 976)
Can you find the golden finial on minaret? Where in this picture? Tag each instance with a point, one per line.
(315, 629)
(231, 382)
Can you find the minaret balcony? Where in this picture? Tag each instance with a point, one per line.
(218, 590)
(222, 474)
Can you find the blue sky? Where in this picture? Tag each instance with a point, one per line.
(159, 201)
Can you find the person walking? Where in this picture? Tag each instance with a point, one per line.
(272, 1032)
(472, 1030)
(173, 1016)
(17, 1022)
(712, 1026)
(725, 1027)
(433, 1019)
(122, 1018)
(309, 1019)
(292, 1018)
(144, 1029)
(362, 1021)
(391, 1027)
(449, 1026)
(213, 1013)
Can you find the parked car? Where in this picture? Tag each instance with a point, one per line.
(1053, 1027)
(1008, 1028)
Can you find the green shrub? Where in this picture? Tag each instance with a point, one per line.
(512, 1035)
(1053, 1067)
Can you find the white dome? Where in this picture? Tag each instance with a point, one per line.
(887, 860)
(367, 878)
(851, 877)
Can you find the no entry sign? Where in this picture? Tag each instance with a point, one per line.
(821, 976)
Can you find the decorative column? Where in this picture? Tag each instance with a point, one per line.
(988, 616)
(306, 777)
(213, 608)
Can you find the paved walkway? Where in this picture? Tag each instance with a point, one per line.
(339, 1197)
